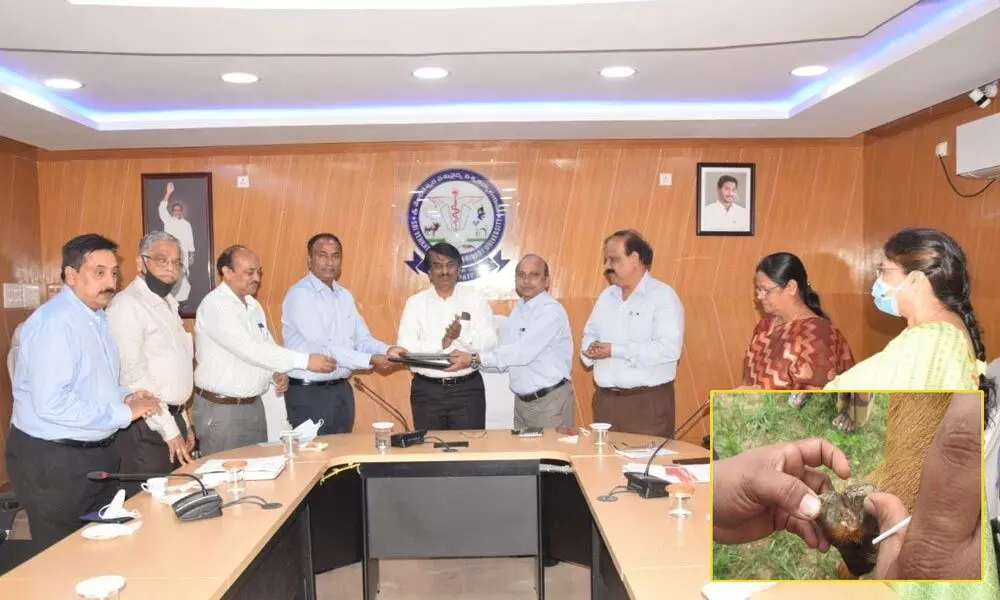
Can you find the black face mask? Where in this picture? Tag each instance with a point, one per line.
(156, 285)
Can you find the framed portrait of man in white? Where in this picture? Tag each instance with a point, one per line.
(181, 205)
(725, 198)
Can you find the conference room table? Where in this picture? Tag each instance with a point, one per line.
(335, 504)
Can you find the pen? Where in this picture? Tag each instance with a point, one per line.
(891, 530)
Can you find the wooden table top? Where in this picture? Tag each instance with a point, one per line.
(166, 558)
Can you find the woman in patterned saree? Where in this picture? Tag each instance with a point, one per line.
(794, 346)
(922, 278)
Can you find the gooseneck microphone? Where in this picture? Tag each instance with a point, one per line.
(196, 506)
(392, 410)
(409, 437)
(649, 486)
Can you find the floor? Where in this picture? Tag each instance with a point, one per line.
(441, 579)
(458, 579)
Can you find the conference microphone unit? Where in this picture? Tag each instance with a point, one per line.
(649, 486)
(396, 440)
(196, 506)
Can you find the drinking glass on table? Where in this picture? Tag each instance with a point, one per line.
(383, 435)
(235, 476)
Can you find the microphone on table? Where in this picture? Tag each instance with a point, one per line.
(196, 506)
(649, 486)
(397, 440)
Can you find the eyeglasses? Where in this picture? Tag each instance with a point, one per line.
(879, 270)
(163, 263)
(761, 292)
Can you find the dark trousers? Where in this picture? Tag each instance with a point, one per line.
(438, 405)
(332, 403)
(142, 450)
(51, 483)
(646, 410)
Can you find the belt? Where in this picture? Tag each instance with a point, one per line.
(220, 399)
(542, 392)
(642, 389)
(306, 382)
(446, 380)
(176, 409)
(79, 444)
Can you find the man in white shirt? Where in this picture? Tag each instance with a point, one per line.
(176, 225)
(238, 359)
(319, 315)
(536, 348)
(725, 214)
(156, 354)
(439, 320)
(633, 340)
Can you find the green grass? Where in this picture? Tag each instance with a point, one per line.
(742, 421)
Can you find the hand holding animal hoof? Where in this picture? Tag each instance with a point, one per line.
(849, 528)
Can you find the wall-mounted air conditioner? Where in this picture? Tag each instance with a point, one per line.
(977, 148)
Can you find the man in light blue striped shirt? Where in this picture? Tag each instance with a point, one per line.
(633, 341)
(320, 316)
(68, 404)
(536, 348)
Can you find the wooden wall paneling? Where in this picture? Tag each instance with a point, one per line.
(906, 187)
(20, 259)
(703, 359)
(545, 208)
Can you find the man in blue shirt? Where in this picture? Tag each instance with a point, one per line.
(536, 348)
(320, 316)
(68, 405)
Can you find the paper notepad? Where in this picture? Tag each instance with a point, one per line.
(258, 469)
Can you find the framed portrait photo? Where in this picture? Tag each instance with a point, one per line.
(725, 198)
(181, 205)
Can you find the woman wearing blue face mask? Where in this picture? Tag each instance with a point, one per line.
(923, 279)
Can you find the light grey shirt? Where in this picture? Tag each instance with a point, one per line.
(645, 332)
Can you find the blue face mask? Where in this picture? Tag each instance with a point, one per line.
(886, 304)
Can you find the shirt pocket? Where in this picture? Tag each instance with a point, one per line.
(639, 322)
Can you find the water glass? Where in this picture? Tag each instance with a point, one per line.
(600, 433)
(235, 476)
(383, 433)
(290, 442)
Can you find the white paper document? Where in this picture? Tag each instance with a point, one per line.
(258, 469)
(642, 452)
(672, 473)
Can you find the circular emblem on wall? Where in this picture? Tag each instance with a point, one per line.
(463, 208)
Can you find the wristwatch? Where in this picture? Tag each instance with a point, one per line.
(475, 362)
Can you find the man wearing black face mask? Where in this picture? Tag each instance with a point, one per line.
(156, 354)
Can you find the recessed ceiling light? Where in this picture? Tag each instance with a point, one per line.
(240, 78)
(430, 73)
(63, 84)
(617, 72)
(809, 71)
